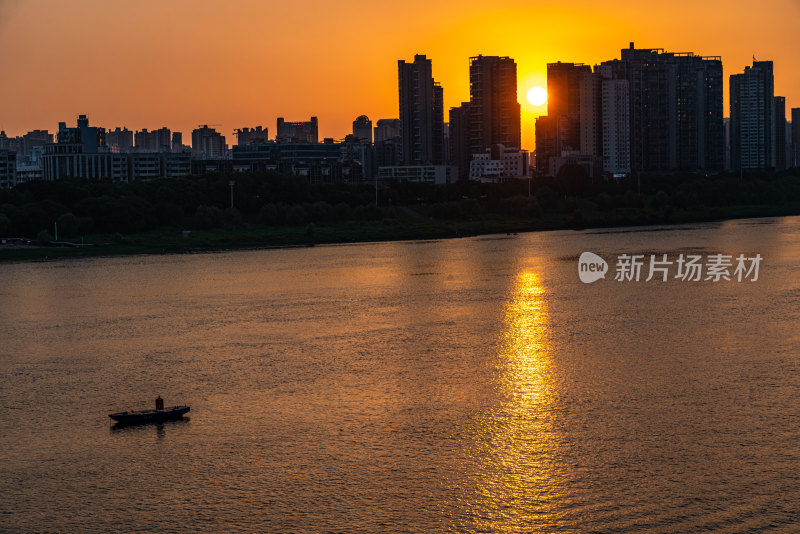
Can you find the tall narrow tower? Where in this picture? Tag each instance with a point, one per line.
(421, 113)
(494, 110)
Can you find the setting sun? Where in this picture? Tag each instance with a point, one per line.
(537, 96)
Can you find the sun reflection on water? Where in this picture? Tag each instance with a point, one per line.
(516, 478)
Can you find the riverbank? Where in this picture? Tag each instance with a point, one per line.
(175, 241)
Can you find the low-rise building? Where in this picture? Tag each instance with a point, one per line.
(297, 132)
(435, 174)
(251, 136)
(498, 164)
(29, 169)
(317, 162)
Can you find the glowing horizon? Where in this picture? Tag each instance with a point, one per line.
(182, 64)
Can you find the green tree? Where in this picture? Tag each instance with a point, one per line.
(44, 237)
(86, 225)
(208, 217)
(343, 211)
(232, 218)
(268, 214)
(573, 178)
(296, 215)
(169, 213)
(68, 224)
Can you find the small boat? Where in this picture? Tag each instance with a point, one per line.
(150, 416)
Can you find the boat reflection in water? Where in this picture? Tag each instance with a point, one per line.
(160, 427)
(517, 481)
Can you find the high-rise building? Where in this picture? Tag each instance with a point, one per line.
(437, 126)
(5, 143)
(573, 124)
(81, 152)
(387, 129)
(119, 140)
(207, 143)
(156, 141)
(673, 119)
(177, 142)
(459, 139)
(251, 136)
(388, 142)
(142, 140)
(616, 126)
(795, 160)
(11, 144)
(8, 168)
(297, 132)
(675, 109)
(493, 108)
(163, 139)
(421, 113)
(90, 138)
(726, 125)
(33, 139)
(752, 131)
(779, 135)
(565, 82)
(362, 129)
(546, 142)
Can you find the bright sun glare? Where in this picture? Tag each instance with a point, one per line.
(537, 96)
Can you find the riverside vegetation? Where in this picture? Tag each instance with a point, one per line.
(271, 209)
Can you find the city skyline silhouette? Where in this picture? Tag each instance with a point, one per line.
(183, 64)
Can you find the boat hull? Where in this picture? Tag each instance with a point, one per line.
(149, 416)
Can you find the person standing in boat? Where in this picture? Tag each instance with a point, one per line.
(159, 403)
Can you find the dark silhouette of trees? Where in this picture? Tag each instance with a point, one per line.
(270, 198)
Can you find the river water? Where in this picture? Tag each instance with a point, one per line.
(467, 385)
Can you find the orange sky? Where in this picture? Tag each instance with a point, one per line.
(180, 63)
